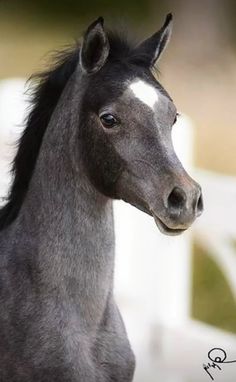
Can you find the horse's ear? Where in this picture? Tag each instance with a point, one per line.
(152, 48)
(95, 47)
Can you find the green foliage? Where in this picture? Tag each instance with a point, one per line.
(230, 8)
(65, 11)
(212, 300)
(234, 245)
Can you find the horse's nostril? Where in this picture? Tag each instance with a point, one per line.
(199, 205)
(176, 199)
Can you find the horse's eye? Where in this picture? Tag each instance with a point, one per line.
(108, 120)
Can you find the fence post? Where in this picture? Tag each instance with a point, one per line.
(13, 107)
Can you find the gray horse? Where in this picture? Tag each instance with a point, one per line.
(99, 129)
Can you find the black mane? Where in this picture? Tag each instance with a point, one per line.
(46, 93)
(45, 96)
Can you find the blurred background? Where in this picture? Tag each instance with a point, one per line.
(177, 295)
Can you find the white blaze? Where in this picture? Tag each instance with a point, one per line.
(145, 92)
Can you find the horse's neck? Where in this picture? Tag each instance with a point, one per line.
(69, 223)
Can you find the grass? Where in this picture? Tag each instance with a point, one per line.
(212, 300)
(234, 245)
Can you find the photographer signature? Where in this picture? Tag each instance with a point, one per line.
(218, 357)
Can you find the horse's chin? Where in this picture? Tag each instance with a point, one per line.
(160, 224)
(165, 229)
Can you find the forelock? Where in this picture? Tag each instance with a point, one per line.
(122, 49)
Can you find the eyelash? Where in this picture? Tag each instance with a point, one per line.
(176, 117)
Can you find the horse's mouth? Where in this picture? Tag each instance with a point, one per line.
(167, 230)
(160, 224)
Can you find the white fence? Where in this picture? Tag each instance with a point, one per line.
(153, 272)
(12, 114)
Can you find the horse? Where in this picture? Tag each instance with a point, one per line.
(99, 129)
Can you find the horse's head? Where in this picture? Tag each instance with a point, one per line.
(126, 123)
